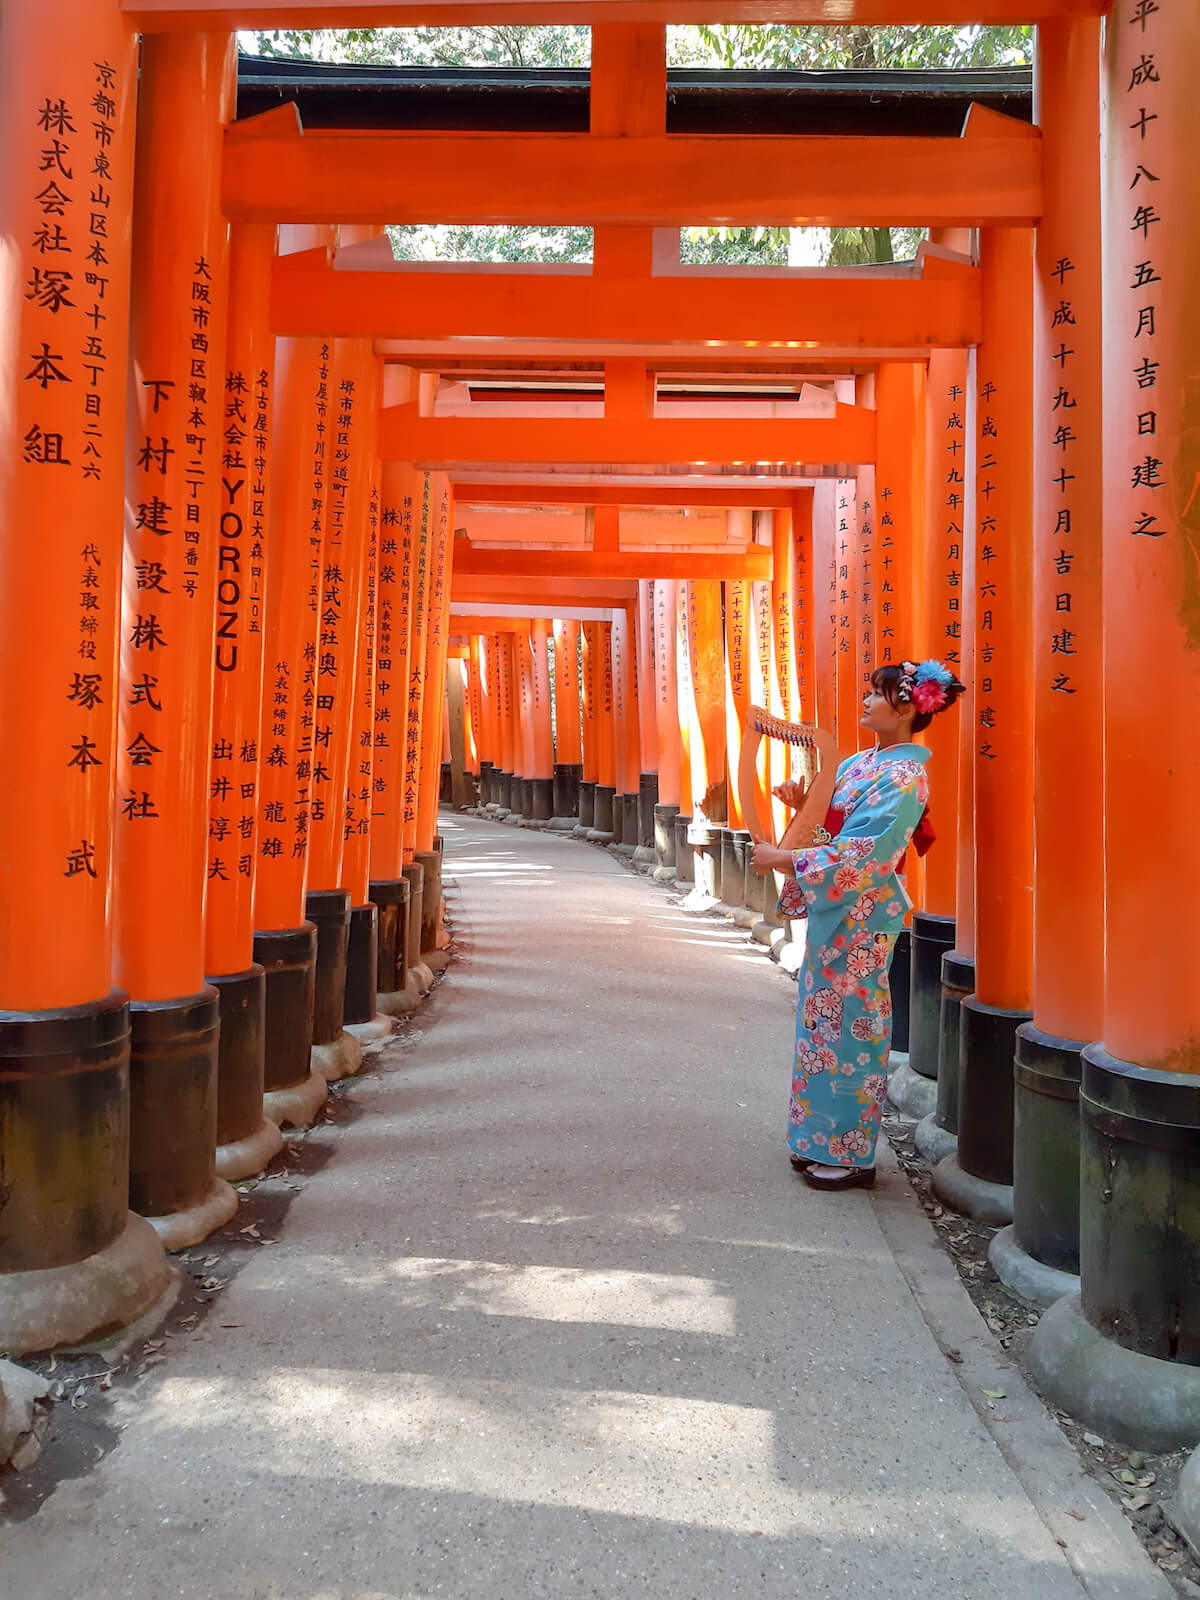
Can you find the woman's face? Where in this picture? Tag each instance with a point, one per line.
(880, 715)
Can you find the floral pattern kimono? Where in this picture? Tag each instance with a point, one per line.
(855, 905)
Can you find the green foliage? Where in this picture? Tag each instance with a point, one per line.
(771, 46)
(495, 46)
(424, 242)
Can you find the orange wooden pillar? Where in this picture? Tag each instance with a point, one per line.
(568, 747)
(473, 706)
(647, 722)
(606, 751)
(824, 630)
(847, 697)
(284, 941)
(424, 537)
(739, 647)
(524, 757)
(73, 1259)
(705, 706)
(626, 730)
(590, 693)
(362, 949)
(977, 1179)
(489, 693)
(937, 935)
(246, 1139)
(172, 518)
(389, 889)
(666, 727)
(506, 680)
(542, 775)
(1140, 1100)
(428, 846)
(350, 447)
(1068, 883)
(865, 585)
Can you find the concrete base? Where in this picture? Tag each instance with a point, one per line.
(562, 824)
(20, 1391)
(422, 976)
(912, 1094)
(645, 855)
(933, 1141)
(789, 955)
(436, 960)
(245, 1158)
(974, 1197)
(743, 917)
(595, 836)
(1136, 1399)
(771, 934)
(664, 874)
(1028, 1278)
(180, 1229)
(341, 1058)
(380, 1027)
(1186, 1512)
(298, 1104)
(625, 851)
(55, 1306)
(398, 1002)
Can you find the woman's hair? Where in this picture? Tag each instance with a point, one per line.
(904, 683)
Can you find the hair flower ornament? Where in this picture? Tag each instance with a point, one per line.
(927, 685)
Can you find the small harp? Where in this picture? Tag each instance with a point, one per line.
(818, 752)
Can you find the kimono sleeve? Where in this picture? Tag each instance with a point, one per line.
(874, 836)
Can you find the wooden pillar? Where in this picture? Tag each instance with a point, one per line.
(568, 747)
(425, 542)
(703, 702)
(824, 567)
(1140, 1104)
(428, 846)
(644, 693)
(389, 890)
(246, 1139)
(589, 691)
(73, 1259)
(847, 699)
(900, 505)
(349, 438)
(172, 516)
(625, 727)
(284, 941)
(542, 774)
(866, 599)
(978, 1179)
(739, 644)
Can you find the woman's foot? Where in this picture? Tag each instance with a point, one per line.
(802, 1163)
(840, 1177)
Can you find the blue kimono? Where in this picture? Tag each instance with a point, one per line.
(855, 905)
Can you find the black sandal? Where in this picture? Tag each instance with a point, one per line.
(801, 1164)
(842, 1178)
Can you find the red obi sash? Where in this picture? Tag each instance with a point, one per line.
(923, 834)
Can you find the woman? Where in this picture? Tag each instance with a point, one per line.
(849, 889)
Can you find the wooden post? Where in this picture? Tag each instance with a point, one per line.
(246, 1139)
(428, 846)
(180, 257)
(73, 1258)
(568, 753)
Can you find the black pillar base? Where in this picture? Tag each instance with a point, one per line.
(173, 1102)
(605, 795)
(1046, 1148)
(647, 801)
(587, 803)
(486, 769)
(1139, 1242)
(741, 845)
(390, 898)
(430, 861)
(541, 799)
(446, 785)
(414, 876)
(362, 960)
(958, 981)
(630, 830)
(289, 960)
(566, 788)
(705, 840)
(900, 981)
(685, 866)
(932, 936)
(504, 783)
(241, 1051)
(64, 1133)
(329, 911)
(664, 833)
(985, 1117)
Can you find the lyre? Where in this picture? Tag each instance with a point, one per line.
(809, 821)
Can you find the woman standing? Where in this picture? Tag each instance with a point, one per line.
(849, 889)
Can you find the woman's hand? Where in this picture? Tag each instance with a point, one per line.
(766, 858)
(791, 791)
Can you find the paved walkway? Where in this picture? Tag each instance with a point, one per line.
(556, 1318)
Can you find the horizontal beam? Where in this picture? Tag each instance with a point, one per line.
(848, 438)
(583, 494)
(470, 561)
(504, 589)
(279, 174)
(227, 15)
(811, 313)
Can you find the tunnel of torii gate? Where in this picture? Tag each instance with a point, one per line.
(299, 540)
